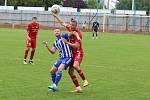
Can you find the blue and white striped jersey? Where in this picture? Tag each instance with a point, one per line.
(64, 49)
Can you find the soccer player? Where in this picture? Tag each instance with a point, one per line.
(65, 58)
(32, 31)
(95, 27)
(84, 25)
(76, 43)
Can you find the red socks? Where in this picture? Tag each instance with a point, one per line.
(75, 81)
(81, 74)
(32, 54)
(26, 54)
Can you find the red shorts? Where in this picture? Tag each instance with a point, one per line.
(31, 43)
(78, 57)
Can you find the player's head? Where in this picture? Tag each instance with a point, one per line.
(73, 24)
(34, 19)
(57, 32)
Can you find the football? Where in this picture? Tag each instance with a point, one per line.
(55, 9)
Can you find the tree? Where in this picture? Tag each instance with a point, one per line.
(124, 5)
(139, 4)
(142, 4)
(49, 3)
(93, 4)
(33, 3)
(74, 3)
(2, 2)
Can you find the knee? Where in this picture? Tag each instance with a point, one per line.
(27, 49)
(76, 68)
(60, 70)
(33, 49)
(61, 67)
(52, 71)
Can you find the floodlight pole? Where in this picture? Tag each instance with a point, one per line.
(108, 4)
(5, 2)
(104, 16)
(133, 5)
(97, 4)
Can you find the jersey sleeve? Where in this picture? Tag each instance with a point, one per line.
(28, 28)
(67, 27)
(65, 24)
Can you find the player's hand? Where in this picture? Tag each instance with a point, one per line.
(28, 42)
(45, 43)
(64, 40)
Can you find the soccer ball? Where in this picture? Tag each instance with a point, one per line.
(55, 9)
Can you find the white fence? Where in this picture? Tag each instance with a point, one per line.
(119, 21)
(70, 9)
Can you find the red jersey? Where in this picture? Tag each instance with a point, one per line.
(32, 29)
(74, 39)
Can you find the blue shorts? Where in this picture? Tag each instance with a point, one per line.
(65, 61)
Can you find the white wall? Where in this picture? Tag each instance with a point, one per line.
(66, 9)
(31, 8)
(7, 7)
(72, 10)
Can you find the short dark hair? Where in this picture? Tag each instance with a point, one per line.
(73, 20)
(34, 18)
(56, 28)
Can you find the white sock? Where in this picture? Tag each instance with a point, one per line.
(78, 88)
(54, 85)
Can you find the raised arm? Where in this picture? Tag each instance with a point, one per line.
(61, 21)
(52, 50)
(74, 45)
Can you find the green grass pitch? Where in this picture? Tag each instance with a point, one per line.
(117, 67)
